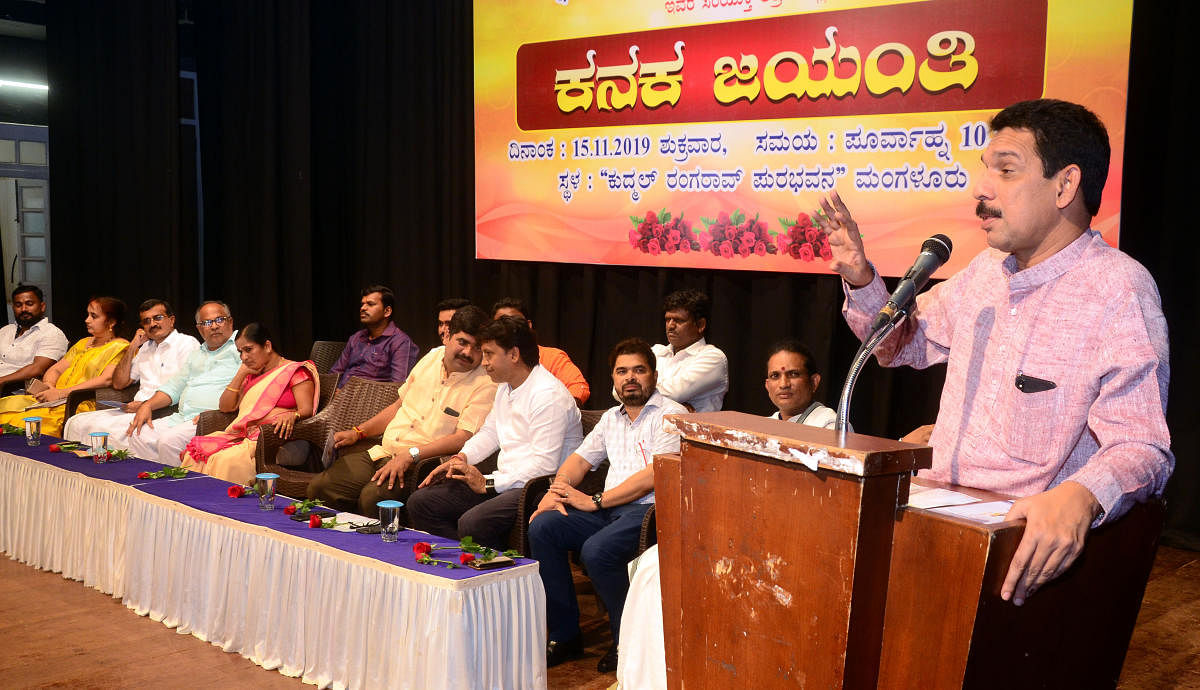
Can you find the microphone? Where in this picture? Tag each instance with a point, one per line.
(934, 252)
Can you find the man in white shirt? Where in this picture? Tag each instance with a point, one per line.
(603, 528)
(792, 381)
(534, 423)
(155, 355)
(690, 371)
(31, 345)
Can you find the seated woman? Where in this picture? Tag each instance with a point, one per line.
(267, 389)
(87, 365)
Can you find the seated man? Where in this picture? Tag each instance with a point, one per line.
(196, 388)
(380, 351)
(442, 403)
(534, 423)
(604, 528)
(555, 360)
(690, 371)
(157, 353)
(31, 345)
(445, 311)
(792, 380)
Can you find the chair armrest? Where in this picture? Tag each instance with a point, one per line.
(213, 421)
(74, 399)
(649, 535)
(531, 496)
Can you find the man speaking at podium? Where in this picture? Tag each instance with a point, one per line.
(1056, 383)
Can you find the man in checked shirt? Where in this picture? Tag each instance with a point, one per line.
(1056, 345)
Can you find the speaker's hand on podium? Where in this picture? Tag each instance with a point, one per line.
(1056, 526)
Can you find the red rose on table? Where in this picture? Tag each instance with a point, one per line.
(806, 252)
(54, 448)
(421, 548)
(314, 521)
(290, 510)
(236, 491)
(465, 558)
(143, 475)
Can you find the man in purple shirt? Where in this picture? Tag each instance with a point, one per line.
(1055, 343)
(380, 351)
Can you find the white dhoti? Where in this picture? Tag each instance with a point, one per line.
(112, 421)
(163, 443)
(642, 659)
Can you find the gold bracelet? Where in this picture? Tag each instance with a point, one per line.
(231, 388)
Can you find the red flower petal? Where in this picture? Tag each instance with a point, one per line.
(290, 510)
(314, 521)
(466, 557)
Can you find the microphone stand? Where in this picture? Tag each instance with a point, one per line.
(860, 360)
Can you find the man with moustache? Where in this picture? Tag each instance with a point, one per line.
(380, 351)
(792, 381)
(196, 388)
(31, 345)
(1056, 385)
(441, 404)
(534, 423)
(603, 528)
(556, 361)
(156, 354)
(690, 371)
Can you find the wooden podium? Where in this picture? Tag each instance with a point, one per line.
(777, 575)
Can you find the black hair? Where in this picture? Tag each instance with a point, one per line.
(469, 319)
(695, 303)
(256, 333)
(509, 332)
(455, 303)
(152, 303)
(1064, 133)
(793, 345)
(113, 310)
(37, 291)
(386, 296)
(632, 346)
(510, 303)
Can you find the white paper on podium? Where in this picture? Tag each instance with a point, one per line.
(936, 498)
(986, 513)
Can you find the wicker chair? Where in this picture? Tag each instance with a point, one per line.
(325, 354)
(212, 421)
(357, 402)
(74, 398)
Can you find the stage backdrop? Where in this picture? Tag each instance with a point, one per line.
(700, 133)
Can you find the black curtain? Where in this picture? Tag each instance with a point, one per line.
(252, 61)
(114, 173)
(338, 152)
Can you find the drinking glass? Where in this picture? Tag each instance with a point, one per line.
(265, 483)
(33, 431)
(389, 519)
(99, 445)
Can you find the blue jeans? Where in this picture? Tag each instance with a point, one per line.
(606, 541)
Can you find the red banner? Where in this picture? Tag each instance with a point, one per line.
(940, 55)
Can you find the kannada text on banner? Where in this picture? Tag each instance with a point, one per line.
(700, 133)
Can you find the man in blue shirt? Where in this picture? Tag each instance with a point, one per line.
(196, 389)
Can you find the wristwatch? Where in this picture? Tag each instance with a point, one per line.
(489, 486)
(414, 453)
(597, 498)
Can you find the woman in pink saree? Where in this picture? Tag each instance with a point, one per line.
(267, 389)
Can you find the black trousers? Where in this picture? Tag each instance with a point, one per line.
(451, 509)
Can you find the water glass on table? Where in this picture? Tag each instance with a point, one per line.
(99, 446)
(265, 484)
(33, 431)
(389, 519)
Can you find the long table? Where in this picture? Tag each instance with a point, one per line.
(336, 609)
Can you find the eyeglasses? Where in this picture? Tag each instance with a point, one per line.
(208, 323)
(153, 319)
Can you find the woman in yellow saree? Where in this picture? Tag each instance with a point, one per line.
(267, 389)
(87, 365)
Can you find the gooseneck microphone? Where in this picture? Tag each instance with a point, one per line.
(934, 252)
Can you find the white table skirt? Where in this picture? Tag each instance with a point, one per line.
(307, 610)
